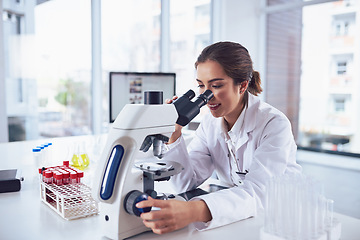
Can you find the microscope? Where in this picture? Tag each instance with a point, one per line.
(126, 171)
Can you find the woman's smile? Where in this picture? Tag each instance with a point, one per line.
(214, 107)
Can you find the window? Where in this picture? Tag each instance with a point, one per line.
(346, 28)
(63, 80)
(325, 112)
(130, 40)
(48, 46)
(341, 68)
(343, 24)
(338, 29)
(189, 34)
(18, 103)
(329, 105)
(47, 68)
(130, 35)
(339, 105)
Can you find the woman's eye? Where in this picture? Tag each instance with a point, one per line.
(217, 86)
(201, 86)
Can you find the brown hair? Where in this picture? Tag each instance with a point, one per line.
(236, 62)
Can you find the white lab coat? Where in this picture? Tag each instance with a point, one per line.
(265, 146)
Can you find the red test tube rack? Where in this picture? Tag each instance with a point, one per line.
(62, 189)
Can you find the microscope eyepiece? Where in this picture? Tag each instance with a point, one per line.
(204, 98)
(190, 94)
(187, 109)
(207, 95)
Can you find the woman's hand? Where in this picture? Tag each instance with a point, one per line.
(173, 214)
(177, 133)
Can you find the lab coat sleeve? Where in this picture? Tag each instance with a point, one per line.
(197, 163)
(274, 155)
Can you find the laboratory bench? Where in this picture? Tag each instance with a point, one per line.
(24, 216)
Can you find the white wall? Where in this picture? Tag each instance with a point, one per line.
(240, 21)
(3, 117)
(244, 22)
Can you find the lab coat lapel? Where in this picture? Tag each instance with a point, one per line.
(220, 136)
(243, 138)
(223, 144)
(249, 122)
(248, 126)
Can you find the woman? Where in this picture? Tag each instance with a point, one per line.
(244, 140)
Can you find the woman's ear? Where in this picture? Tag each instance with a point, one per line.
(243, 86)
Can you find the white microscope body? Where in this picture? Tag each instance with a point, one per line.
(116, 176)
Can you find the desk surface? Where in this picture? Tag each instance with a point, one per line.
(24, 216)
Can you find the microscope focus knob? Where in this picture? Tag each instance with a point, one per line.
(131, 199)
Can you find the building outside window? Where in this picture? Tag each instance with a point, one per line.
(330, 82)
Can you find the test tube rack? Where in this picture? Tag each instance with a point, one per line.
(71, 201)
(296, 208)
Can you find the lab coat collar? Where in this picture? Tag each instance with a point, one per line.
(250, 116)
(233, 135)
(248, 123)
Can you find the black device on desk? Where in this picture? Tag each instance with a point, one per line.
(10, 180)
(193, 193)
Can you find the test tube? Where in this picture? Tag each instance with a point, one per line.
(42, 173)
(322, 211)
(45, 153)
(329, 213)
(49, 152)
(42, 157)
(37, 156)
(73, 177)
(66, 177)
(48, 177)
(80, 175)
(58, 178)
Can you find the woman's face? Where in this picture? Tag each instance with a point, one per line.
(228, 97)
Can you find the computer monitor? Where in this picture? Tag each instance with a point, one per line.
(129, 87)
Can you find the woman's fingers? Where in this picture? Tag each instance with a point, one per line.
(159, 221)
(172, 214)
(168, 101)
(151, 202)
(145, 203)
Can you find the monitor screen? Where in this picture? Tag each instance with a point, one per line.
(129, 87)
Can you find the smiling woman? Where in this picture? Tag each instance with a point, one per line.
(226, 69)
(244, 140)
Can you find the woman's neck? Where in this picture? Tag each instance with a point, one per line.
(231, 119)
